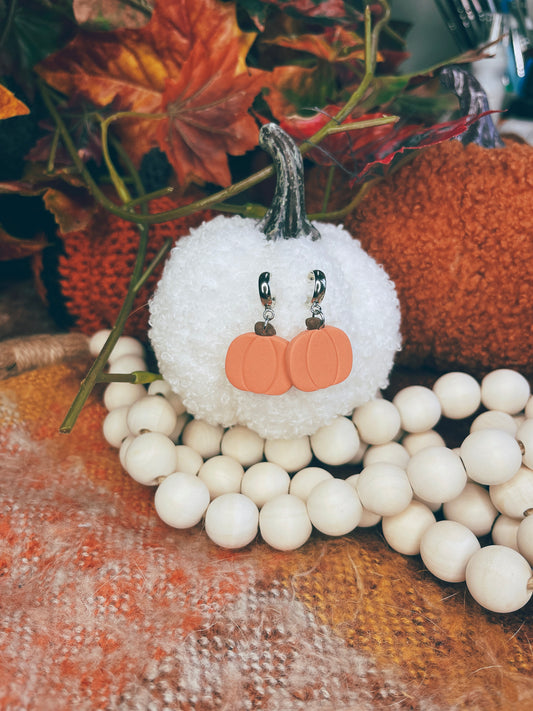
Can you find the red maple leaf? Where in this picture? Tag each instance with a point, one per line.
(367, 152)
(144, 70)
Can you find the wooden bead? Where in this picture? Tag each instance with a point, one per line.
(181, 500)
(336, 443)
(403, 531)
(121, 394)
(127, 363)
(524, 436)
(459, 395)
(187, 459)
(161, 387)
(419, 408)
(181, 421)
(243, 444)
(505, 390)
(505, 531)
(514, 496)
(290, 454)
(232, 520)
(304, 481)
(497, 578)
(433, 506)
(97, 341)
(368, 518)
(495, 420)
(284, 522)
(203, 437)
(392, 452)
(151, 414)
(264, 481)
(524, 538)
(446, 547)
(473, 508)
(334, 507)
(491, 456)
(150, 458)
(416, 441)
(115, 427)
(519, 420)
(126, 345)
(358, 456)
(123, 449)
(221, 475)
(377, 421)
(436, 474)
(384, 489)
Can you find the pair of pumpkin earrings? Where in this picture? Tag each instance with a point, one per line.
(263, 363)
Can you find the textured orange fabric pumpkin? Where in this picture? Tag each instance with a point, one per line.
(319, 358)
(454, 231)
(85, 277)
(256, 364)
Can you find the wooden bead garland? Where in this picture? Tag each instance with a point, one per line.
(444, 500)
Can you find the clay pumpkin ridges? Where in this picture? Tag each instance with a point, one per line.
(317, 359)
(257, 364)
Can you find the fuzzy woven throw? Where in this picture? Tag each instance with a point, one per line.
(104, 607)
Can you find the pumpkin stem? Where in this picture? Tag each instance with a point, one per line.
(473, 101)
(286, 217)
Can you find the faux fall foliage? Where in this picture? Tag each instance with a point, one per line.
(194, 80)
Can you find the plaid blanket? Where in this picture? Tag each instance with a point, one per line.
(105, 607)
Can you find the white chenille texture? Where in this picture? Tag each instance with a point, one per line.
(208, 295)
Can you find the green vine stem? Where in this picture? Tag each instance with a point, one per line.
(137, 377)
(371, 43)
(153, 264)
(99, 364)
(371, 39)
(96, 374)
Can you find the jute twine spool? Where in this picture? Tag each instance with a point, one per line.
(18, 355)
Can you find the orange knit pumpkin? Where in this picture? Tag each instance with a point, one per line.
(94, 267)
(454, 231)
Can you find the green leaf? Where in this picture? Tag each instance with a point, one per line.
(33, 30)
(387, 88)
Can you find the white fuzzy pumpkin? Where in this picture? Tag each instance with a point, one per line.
(207, 296)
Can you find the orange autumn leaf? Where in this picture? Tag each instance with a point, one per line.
(291, 84)
(334, 44)
(132, 69)
(11, 106)
(15, 248)
(208, 116)
(72, 209)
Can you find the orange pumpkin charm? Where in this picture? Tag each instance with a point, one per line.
(322, 355)
(255, 361)
(318, 358)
